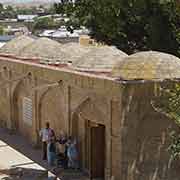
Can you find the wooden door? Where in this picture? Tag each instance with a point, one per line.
(97, 151)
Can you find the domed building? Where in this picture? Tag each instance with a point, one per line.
(150, 65)
(16, 45)
(99, 59)
(49, 51)
(108, 109)
(145, 131)
(74, 51)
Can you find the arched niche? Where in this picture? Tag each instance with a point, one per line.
(88, 109)
(21, 92)
(4, 100)
(51, 108)
(88, 128)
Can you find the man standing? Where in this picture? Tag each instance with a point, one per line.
(45, 134)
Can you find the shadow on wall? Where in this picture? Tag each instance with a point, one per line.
(152, 165)
(146, 139)
(23, 174)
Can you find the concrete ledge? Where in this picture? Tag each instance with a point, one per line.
(15, 165)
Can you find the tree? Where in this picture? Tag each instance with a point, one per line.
(1, 7)
(64, 7)
(1, 30)
(131, 25)
(164, 28)
(167, 102)
(9, 12)
(45, 23)
(26, 11)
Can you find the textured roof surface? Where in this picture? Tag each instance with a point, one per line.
(16, 45)
(148, 66)
(99, 59)
(74, 51)
(45, 49)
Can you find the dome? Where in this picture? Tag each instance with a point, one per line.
(148, 66)
(74, 51)
(14, 46)
(99, 59)
(45, 49)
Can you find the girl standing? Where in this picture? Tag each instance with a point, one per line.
(51, 152)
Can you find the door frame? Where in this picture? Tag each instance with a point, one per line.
(90, 154)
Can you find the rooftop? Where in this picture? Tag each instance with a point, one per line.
(104, 61)
(14, 46)
(99, 59)
(6, 38)
(45, 49)
(149, 65)
(74, 51)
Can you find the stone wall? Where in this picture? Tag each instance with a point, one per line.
(77, 95)
(136, 137)
(4, 92)
(145, 137)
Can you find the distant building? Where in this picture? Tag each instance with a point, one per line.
(26, 18)
(4, 39)
(17, 30)
(55, 17)
(64, 36)
(40, 11)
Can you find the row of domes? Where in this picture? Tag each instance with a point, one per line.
(149, 65)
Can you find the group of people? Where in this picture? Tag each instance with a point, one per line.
(60, 151)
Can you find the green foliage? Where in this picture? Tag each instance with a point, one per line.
(65, 7)
(45, 23)
(1, 30)
(174, 147)
(7, 12)
(12, 12)
(50, 10)
(167, 101)
(26, 11)
(131, 25)
(1, 7)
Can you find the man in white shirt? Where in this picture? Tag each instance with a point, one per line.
(45, 134)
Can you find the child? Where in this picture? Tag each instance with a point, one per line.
(72, 154)
(62, 151)
(51, 152)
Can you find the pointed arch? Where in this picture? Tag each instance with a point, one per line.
(15, 111)
(74, 123)
(55, 97)
(19, 92)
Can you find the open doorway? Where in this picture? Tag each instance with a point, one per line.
(95, 150)
(91, 139)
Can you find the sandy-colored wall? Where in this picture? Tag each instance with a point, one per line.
(21, 91)
(52, 110)
(87, 106)
(4, 99)
(136, 137)
(116, 145)
(77, 93)
(145, 137)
